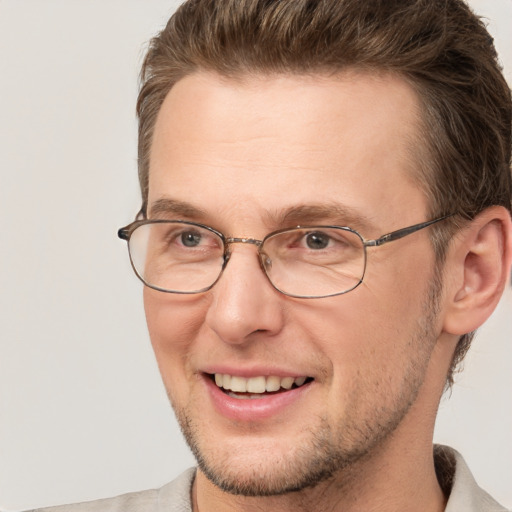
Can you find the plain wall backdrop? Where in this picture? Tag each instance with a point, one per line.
(83, 413)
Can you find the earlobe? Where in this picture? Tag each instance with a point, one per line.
(479, 263)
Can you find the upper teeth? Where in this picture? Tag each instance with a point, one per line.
(256, 384)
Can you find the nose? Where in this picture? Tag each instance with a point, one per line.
(243, 300)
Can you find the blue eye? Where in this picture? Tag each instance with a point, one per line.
(190, 239)
(317, 240)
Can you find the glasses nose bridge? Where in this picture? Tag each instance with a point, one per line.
(236, 240)
(251, 241)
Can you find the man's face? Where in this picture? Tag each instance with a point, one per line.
(252, 156)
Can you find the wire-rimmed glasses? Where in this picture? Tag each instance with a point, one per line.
(176, 256)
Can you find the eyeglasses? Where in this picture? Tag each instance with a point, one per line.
(305, 262)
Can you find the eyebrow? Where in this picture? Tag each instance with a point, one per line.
(166, 207)
(333, 213)
(304, 214)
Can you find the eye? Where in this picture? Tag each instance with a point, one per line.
(190, 238)
(317, 240)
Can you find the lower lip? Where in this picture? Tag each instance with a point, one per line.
(253, 409)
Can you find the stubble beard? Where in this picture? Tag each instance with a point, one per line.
(326, 452)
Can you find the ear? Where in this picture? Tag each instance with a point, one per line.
(477, 270)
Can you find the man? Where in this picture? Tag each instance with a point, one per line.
(326, 220)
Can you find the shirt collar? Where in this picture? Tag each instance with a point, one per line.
(458, 483)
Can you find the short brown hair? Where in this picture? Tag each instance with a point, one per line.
(439, 46)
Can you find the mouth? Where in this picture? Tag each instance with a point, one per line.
(257, 387)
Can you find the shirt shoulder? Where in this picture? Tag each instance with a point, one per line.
(457, 481)
(172, 497)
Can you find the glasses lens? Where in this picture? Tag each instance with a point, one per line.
(176, 256)
(315, 261)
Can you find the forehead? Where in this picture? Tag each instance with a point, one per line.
(270, 142)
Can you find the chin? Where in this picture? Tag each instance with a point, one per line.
(265, 466)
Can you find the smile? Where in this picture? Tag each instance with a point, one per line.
(256, 398)
(256, 387)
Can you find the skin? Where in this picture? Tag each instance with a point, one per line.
(239, 153)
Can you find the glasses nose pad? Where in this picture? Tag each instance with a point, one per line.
(265, 261)
(227, 255)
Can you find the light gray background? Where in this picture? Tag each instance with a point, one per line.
(82, 410)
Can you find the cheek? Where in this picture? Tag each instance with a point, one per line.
(396, 286)
(367, 335)
(173, 323)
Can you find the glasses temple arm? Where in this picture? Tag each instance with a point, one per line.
(400, 233)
